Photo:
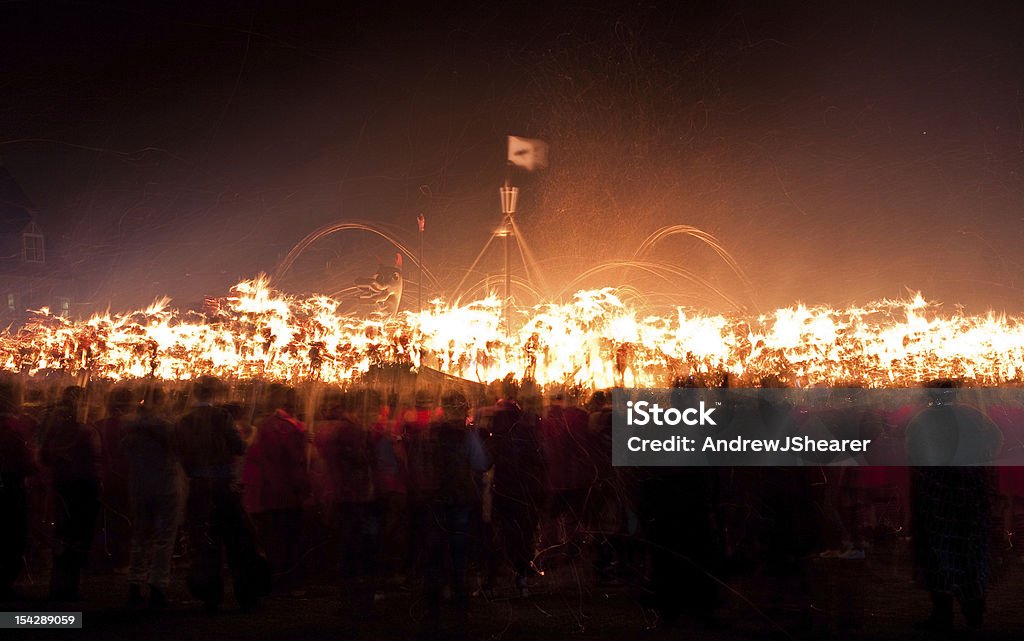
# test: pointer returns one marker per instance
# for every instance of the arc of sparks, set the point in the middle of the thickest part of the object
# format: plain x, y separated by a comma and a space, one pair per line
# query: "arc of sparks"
312, 237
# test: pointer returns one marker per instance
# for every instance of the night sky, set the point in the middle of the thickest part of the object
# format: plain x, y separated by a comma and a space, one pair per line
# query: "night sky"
842, 154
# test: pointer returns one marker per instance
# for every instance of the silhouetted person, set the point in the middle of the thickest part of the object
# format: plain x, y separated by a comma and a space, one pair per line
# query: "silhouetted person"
678, 507
519, 482
15, 465
416, 438
785, 501
115, 497
950, 504
353, 467
276, 460
1008, 415
207, 444
458, 457
571, 472
390, 484
154, 491
71, 452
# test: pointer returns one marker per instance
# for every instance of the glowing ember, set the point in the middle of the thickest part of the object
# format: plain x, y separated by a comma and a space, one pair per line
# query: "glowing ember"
594, 341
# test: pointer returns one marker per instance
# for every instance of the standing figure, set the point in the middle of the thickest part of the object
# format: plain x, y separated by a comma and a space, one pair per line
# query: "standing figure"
16, 465
950, 504
459, 458
70, 451
154, 490
519, 483
277, 462
115, 528
207, 445
343, 443
390, 471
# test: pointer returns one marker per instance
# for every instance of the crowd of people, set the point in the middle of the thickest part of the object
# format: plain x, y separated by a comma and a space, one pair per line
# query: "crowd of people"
453, 497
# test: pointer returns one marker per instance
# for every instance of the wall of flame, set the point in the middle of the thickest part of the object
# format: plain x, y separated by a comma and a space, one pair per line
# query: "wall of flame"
594, 341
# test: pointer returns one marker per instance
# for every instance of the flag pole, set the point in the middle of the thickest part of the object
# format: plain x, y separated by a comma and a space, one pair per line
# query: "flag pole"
421, 221
508, 280
508, 209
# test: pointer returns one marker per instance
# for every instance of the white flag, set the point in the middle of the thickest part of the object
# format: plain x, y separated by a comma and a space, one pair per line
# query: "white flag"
527, 153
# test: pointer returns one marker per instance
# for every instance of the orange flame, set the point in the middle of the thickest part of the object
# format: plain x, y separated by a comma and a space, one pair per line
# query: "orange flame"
595, 340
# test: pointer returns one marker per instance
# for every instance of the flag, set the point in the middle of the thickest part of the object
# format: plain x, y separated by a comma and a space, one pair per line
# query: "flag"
527, 153
422, 221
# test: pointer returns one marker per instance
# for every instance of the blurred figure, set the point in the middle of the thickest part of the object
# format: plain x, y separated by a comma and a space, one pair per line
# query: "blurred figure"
207, 443
1008, 415
611, 500
390, 482
789, 527
570, 475
459, 458
38, 487
277, 484
951, 506
343, 443
679, 509
677, 506
70, 451
519, 481
416, 437
245, 429
115, 497
16, 464
154, 485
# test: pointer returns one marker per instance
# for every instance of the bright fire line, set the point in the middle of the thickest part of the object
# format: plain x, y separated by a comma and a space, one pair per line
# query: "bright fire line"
594, 341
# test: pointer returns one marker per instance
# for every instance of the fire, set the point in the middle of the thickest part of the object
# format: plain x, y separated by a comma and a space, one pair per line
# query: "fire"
595, 340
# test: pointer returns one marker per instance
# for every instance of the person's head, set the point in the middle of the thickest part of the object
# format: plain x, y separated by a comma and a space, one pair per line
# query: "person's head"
492, 393
73, 395
205, 389
941, 391
330, 404
530, 397
556, 403
374, 400
120, 401
424, 400
10, 396
455, 406
347, 404
510, 388
281, 397
72, 398
597, 401
154, 399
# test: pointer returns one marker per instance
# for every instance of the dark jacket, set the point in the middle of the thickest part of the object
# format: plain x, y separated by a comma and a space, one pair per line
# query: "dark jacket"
458, 458
70, 449
147, 448
207, 442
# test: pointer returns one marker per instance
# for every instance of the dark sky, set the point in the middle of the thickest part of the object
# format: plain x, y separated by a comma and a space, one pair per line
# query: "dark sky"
841, 154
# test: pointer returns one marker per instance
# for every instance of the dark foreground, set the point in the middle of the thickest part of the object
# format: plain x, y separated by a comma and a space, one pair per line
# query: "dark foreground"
842, 599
